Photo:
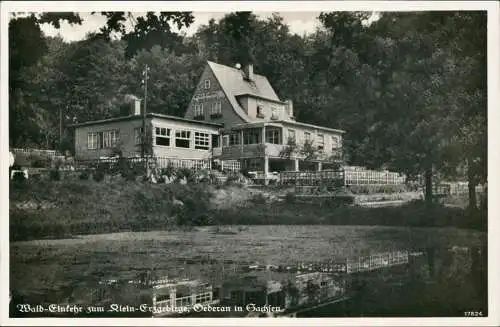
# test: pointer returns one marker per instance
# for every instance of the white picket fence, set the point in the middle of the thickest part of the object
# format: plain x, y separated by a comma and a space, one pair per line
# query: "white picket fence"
357, 176
49, 153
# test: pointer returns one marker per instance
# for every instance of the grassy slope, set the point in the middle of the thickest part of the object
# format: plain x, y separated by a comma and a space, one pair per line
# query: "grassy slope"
89, 207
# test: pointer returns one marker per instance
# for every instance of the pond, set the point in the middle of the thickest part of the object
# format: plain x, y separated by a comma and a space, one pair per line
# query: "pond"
57, 271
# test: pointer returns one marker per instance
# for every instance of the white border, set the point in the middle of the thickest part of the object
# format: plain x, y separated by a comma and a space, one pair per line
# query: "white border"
265, 6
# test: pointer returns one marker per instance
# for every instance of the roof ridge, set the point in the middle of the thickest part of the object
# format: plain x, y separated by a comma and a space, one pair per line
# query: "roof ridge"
234, 68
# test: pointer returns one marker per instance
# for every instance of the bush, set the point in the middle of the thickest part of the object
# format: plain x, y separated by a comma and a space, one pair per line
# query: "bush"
290, 198
84, 175
244, 172
55, 175
18, 177
98, 175
232, 177
168, 171
58, 162
38, 161
371, 189
259, 198
186, 173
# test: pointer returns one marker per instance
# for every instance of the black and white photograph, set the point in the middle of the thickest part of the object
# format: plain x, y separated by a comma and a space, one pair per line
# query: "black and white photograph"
195, 161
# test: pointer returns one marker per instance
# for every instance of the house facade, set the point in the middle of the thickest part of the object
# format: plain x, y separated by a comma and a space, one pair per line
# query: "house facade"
168, 137
234, 115
259, 129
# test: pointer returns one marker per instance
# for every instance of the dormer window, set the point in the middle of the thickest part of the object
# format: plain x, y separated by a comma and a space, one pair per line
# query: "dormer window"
207, 84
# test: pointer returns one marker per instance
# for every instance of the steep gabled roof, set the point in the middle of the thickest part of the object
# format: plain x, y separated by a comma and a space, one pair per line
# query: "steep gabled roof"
232, 83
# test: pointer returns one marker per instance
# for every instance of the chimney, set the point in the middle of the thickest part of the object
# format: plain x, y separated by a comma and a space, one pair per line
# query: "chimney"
289, 108
135, 105
248, 72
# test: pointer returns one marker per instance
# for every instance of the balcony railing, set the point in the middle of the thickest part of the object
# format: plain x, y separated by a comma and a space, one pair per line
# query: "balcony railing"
252, 150
273, 150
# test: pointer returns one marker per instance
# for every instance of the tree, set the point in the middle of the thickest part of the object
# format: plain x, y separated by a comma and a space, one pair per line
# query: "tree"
151, 30
26, 46
172, 80
93, 82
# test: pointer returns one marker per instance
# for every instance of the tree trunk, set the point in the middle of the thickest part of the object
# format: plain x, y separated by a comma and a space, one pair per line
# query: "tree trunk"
428, 185
472, 183
472, 195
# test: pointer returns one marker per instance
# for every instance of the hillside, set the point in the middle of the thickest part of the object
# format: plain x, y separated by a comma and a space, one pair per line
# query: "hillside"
59, 209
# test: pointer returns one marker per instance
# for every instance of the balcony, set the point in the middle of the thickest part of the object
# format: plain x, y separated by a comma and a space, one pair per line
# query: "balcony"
251, 151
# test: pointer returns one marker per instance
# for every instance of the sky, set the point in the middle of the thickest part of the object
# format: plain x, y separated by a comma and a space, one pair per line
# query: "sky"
299, 22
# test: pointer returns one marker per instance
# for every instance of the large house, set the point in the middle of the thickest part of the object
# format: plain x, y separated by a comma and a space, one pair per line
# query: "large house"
260, 129
234, 115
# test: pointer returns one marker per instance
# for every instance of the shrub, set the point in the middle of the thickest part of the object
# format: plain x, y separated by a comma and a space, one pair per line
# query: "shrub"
55, 175
168, 171
18, 177
38, 161
58, 163
259, 198
187, 173
232, 177
98, 175
84, 175
370, 189
290, 198
244, 172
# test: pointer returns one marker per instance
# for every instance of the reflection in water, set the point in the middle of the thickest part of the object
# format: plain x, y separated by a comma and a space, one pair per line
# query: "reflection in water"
419, 283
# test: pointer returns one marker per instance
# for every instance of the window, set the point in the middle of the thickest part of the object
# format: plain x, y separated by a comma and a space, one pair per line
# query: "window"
234, 139
92, 141
260, 113
335, 142
291, 134
273, 136
162, 136
215, 141
254, 164
182, 139
114, 137
307, 136
216, 107
321, 142
225, 140
202, 298
102, 140
274, 113
109, 138
251, 136
198, 110
207, 84
138, 135
201, 141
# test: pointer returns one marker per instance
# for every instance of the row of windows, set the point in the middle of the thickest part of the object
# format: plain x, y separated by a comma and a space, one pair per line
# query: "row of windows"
320, 139
252, 136
102, 140
109, 139
182, 138
215, 108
